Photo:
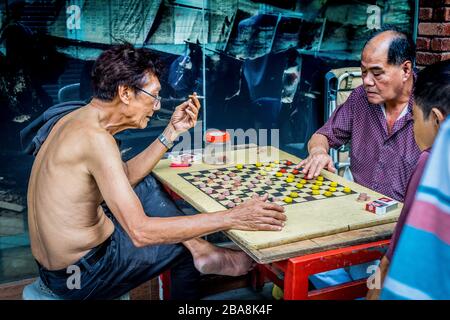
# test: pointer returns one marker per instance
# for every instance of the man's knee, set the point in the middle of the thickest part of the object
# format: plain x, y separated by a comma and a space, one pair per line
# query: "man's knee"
147, 184
155, 200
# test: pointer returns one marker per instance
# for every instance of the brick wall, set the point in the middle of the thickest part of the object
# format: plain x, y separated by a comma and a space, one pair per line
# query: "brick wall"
433, 39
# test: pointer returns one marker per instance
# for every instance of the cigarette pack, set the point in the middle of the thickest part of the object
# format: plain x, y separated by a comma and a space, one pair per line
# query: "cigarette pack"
382, 205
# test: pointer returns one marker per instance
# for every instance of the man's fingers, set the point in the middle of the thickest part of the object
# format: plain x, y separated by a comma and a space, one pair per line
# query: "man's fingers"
191, 114
301, 164
264, 197
320, 165
272, 221
331, 167
194, 99
269, 227
273, 206
307, 166
194, 110
274, 214
312, 169
318, 169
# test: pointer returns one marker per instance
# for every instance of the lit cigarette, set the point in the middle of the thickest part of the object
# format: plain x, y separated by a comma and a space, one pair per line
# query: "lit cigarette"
198, 97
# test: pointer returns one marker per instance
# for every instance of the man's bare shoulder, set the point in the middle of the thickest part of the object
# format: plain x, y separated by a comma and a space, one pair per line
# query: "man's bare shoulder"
99, 138
80, 138
99, 143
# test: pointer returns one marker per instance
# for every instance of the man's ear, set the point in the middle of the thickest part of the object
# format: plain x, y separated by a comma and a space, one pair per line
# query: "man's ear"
437, 116
407, 69
125, 93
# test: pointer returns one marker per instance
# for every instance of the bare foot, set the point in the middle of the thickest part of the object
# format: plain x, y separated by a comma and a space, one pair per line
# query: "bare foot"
225, 262
210, 259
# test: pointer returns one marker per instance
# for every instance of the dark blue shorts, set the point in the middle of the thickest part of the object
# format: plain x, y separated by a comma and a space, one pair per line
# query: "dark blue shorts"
116, 266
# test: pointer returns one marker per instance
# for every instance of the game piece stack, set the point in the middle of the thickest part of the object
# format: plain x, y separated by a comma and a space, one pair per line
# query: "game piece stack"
363, 197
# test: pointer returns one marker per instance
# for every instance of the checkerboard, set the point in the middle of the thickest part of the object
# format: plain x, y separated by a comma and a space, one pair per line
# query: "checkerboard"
277, 188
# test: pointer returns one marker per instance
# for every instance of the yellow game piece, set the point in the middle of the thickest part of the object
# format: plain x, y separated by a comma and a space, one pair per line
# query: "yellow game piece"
315, 188
279, 174
277, 161
328, 194
268, 168
273, 165
347, 190
287, 199
239, 166
332, 189
303, 181
290, 175
258, 164
319, 183
333, 184
299, 185
316, 192
263, 173
294, 194
289, 180
319, 178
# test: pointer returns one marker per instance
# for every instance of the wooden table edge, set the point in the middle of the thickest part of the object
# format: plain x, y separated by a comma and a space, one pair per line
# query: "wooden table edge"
313, 246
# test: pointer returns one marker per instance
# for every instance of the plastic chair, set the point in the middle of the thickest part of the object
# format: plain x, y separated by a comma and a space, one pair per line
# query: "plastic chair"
339, 83
39, 291
70, 92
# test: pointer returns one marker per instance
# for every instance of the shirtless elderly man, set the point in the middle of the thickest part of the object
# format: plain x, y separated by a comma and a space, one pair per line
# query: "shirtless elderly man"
111, 220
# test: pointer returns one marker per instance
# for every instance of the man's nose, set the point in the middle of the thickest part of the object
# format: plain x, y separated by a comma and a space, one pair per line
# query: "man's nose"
368, 81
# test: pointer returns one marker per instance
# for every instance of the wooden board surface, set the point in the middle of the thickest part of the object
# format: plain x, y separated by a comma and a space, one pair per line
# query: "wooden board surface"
307, 220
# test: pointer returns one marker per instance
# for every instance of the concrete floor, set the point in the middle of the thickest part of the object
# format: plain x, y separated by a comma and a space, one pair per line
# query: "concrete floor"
244, 294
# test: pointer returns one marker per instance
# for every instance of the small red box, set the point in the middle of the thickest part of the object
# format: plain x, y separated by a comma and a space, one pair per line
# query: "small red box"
382, 205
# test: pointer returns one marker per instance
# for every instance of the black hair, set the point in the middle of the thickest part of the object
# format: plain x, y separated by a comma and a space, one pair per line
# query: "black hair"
432, 88
402, 47
122, 64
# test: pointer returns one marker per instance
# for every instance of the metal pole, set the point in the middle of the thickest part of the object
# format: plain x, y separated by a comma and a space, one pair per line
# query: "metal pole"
204, 34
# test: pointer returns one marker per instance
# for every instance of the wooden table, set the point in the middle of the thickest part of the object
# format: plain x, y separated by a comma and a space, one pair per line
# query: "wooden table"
343, 246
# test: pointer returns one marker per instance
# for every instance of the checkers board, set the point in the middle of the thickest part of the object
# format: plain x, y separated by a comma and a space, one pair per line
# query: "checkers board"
230, 186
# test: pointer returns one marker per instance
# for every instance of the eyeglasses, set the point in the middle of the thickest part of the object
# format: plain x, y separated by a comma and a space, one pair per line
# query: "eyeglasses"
157, 98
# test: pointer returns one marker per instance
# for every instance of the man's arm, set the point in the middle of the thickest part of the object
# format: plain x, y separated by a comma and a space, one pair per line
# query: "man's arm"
142, 164
374, 294
105, 165
183, 118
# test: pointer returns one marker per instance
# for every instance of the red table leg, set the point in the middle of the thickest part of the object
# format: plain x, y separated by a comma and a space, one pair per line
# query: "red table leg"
297, 271
165, 280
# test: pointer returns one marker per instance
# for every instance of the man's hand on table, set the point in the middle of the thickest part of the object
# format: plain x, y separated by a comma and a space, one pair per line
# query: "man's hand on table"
257, 215
317, 160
